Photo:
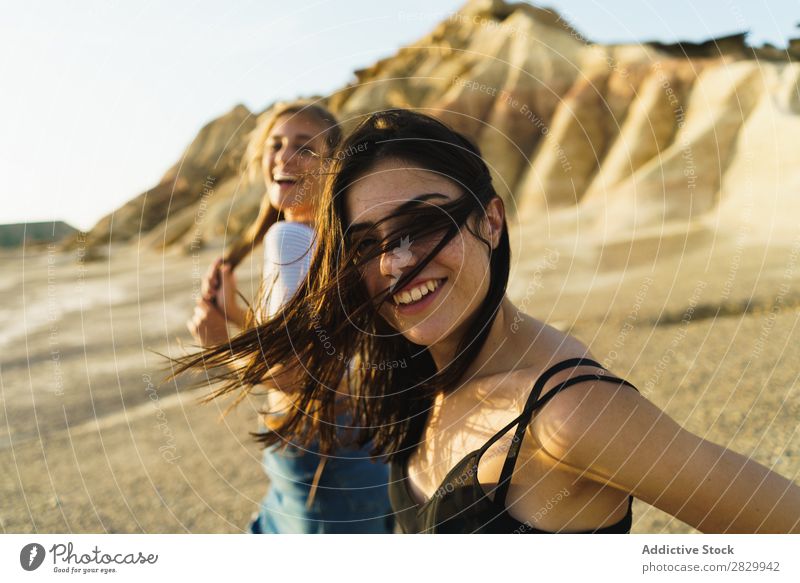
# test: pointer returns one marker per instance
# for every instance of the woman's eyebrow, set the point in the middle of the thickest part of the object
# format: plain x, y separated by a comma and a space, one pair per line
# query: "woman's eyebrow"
296, 137
400, 209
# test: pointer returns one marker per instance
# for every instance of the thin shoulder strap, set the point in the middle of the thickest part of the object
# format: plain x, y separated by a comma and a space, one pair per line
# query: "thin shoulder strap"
533, 403
534, 394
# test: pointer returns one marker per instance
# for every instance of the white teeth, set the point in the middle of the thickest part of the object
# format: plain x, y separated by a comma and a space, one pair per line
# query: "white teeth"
417, 293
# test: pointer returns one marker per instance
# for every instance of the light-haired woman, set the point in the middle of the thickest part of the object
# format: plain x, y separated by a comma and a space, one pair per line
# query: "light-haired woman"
346, 491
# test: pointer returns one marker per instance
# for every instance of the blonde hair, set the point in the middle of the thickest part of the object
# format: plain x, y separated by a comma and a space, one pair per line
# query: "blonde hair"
251, 165
254, 153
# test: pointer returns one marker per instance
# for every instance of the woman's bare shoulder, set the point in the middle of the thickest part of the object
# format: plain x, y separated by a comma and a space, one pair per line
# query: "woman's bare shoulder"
549, 346
552, 347
592, 408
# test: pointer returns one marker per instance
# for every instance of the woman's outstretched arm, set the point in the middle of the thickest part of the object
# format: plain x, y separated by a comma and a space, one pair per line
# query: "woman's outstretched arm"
618, 437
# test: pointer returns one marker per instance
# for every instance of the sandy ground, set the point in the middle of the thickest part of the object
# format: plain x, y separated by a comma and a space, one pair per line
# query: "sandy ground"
92, 440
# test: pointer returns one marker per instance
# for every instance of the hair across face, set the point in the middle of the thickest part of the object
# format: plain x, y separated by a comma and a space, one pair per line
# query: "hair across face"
398, 162
412, 192
434, 305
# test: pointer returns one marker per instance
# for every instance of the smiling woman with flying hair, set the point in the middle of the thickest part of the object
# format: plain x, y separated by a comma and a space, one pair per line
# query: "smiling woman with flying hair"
406, 325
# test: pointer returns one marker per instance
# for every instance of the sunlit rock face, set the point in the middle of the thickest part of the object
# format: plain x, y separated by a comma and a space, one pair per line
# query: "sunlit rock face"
619, 141
192, 199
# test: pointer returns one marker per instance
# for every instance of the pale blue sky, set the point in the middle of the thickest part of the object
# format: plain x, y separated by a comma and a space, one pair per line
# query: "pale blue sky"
99, 98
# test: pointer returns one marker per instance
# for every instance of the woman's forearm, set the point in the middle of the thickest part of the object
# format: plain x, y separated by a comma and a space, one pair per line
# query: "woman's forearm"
749, 498
636, 447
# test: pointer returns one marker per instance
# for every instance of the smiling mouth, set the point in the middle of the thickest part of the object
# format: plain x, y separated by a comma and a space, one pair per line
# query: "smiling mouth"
417, 293
285, 179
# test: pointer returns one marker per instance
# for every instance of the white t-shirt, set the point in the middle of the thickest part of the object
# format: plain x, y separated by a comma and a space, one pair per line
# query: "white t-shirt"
287, 257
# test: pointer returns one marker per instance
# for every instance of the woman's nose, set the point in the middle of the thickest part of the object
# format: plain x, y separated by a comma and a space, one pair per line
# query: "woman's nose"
394, 261
289, 157
283, 156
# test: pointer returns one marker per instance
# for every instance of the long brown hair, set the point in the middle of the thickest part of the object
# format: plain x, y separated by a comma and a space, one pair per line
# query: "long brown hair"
268, 215
330, 333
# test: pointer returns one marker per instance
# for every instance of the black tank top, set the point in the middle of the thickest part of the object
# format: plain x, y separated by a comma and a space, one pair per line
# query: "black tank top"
460, 504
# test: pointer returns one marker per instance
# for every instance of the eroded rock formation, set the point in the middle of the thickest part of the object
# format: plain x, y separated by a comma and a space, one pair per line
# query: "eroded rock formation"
628, 137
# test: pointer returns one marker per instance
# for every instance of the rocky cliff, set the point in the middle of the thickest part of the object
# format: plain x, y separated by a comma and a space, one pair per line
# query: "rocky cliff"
626, 141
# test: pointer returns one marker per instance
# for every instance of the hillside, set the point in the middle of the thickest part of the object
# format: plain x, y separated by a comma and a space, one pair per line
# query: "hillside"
12, 235
621, 142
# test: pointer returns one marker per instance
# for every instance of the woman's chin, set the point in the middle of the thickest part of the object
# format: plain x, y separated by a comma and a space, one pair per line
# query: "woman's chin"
423, 334
282, 196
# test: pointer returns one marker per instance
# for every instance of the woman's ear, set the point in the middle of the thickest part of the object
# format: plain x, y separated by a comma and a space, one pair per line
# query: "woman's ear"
493, 219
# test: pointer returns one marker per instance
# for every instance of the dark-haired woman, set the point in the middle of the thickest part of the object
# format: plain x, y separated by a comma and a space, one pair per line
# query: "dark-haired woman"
346, 491
493, 420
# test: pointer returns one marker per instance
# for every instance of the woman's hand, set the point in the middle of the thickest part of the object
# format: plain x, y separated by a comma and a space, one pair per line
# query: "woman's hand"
208, 324
219, 288
617, 437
